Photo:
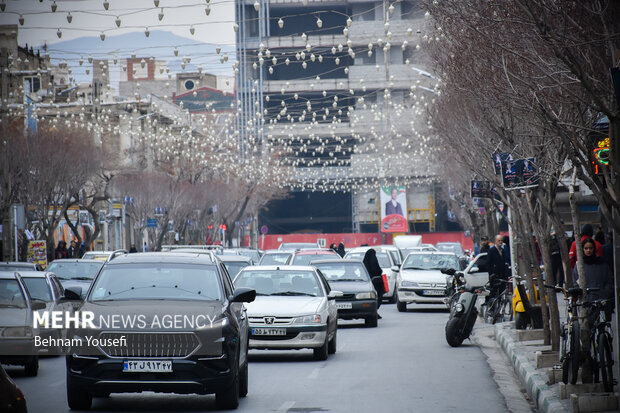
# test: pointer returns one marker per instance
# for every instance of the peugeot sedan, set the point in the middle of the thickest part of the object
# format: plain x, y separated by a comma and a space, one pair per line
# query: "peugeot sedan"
294, 309
359, 298
420, 279
164, 322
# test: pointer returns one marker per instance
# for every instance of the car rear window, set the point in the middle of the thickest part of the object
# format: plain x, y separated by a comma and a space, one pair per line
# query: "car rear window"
157, 281
275, 259
11, 295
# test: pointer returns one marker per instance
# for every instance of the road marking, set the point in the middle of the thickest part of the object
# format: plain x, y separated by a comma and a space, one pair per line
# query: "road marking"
314, 374
286, 406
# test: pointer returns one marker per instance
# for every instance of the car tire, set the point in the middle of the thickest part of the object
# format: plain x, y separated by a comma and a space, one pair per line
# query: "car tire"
372, 321
78, 398
229, 398
243, 380
31, 369
331, 347
401, 306
322, 352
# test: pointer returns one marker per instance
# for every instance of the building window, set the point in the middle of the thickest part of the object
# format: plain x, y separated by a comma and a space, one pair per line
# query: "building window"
410, 9
34, 83
369, 60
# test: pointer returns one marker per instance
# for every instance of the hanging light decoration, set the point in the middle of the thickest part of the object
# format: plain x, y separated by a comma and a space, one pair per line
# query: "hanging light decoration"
280, 23
58, 33
106, 5
160, 16
69, 17
101, 36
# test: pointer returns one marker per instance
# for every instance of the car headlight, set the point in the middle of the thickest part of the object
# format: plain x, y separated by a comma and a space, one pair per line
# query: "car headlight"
308, 319
25, 331
366, 296
408, 284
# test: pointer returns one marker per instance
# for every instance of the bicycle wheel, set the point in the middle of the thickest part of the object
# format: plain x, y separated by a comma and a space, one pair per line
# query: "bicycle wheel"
606, 362
565, 349
503, 312
489, 315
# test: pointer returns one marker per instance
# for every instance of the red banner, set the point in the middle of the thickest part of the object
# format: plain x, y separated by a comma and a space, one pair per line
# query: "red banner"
394, 223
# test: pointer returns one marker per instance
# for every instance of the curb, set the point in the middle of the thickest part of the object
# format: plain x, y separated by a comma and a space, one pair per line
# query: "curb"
546, 397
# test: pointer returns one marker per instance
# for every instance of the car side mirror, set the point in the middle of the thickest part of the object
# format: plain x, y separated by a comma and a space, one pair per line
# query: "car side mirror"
395, 268
243, 295
333, 294
38, 305
72, 294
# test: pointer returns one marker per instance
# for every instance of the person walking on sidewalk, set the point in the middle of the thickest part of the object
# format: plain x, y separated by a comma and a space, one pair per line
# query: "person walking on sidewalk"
586, 232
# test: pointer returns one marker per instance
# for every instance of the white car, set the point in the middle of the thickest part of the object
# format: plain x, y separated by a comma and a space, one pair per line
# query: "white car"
294, 309
386, 262
420, 279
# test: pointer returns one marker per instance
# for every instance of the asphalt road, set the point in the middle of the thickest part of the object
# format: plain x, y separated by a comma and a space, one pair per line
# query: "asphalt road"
404, 365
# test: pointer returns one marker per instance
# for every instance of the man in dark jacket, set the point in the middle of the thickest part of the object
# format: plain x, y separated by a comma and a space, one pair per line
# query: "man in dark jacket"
497, 267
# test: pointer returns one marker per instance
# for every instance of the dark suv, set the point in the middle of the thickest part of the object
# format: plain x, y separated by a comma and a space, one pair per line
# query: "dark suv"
164, 322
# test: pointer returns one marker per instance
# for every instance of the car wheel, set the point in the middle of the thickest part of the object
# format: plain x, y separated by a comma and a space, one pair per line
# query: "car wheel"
372, 321
321, 353
229, 398
243, 381
401, 306
31, 368
331, 347
78, 398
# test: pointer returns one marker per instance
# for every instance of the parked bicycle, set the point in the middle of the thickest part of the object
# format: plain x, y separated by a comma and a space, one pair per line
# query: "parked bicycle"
570, 335
499, 309
601, 342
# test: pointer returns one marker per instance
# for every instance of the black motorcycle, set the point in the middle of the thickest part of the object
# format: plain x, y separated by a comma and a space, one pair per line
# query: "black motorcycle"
463, 313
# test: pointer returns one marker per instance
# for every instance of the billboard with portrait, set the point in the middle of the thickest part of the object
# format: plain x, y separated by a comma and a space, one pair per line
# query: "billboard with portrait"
520, 173
393, 209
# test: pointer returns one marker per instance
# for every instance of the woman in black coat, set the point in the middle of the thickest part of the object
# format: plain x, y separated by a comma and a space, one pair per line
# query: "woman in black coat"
376, 273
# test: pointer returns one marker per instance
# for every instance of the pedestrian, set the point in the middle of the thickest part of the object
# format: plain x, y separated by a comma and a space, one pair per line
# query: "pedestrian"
556, 261
599, 276
376, 273
73, 252
340, 250
484, 244
599, 236
497, 268
133, 248
586, 232
333, 247
61, 250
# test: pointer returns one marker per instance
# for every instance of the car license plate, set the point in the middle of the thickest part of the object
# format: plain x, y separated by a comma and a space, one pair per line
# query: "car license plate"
434, 292
344, 306
148, 366
268, 331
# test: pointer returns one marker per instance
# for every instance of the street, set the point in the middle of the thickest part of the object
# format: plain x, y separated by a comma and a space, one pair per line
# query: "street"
404, 365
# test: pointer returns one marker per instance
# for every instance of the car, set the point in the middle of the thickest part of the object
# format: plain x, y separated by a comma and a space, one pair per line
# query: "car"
275, 257
248, 252
359, 297
206, 352
298, 245
386, 262
235, 263
103, 255
12, 399
294, 309
394, 252
303, 257
420, 279
477, 273
456, 248
19, 265
17, 343
75, 272
45, 286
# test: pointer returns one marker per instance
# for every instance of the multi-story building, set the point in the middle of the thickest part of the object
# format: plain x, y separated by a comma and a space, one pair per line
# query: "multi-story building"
335, 86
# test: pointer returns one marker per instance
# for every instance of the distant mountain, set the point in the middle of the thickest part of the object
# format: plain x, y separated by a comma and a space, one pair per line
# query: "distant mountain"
160, 45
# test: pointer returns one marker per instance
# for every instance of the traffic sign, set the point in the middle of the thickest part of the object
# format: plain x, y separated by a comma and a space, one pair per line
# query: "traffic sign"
151, 223
264, 229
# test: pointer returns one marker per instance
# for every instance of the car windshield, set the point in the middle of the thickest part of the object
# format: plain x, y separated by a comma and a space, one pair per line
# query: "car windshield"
250, 253
161, 281
455, 248
11, 295
275, 259
280, 282
382, 257
350, 271
75, 270
38, 288
430, 262
233, 267
305, 259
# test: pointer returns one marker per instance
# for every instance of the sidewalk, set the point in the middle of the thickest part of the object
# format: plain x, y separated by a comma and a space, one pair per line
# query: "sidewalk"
539, 381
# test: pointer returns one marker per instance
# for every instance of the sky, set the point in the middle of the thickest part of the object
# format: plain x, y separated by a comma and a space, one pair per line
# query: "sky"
89, 18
